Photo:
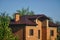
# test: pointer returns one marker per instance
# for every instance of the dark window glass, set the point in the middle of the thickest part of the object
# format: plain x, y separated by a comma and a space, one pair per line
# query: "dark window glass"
52, 32
31, 32
38, 34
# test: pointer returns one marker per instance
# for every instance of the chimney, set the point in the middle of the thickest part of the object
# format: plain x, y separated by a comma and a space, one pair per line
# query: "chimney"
17, 17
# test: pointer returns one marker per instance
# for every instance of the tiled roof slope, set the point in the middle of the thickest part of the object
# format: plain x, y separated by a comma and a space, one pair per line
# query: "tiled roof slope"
52, 24
29, 20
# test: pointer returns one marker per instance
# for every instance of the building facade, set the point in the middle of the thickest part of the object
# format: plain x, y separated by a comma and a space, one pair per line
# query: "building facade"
33, 27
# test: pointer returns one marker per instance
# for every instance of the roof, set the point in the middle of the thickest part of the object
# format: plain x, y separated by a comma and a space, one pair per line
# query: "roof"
23, 20
52, 24
29, 20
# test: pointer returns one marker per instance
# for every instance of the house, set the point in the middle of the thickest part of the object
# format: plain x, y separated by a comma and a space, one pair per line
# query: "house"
33, 27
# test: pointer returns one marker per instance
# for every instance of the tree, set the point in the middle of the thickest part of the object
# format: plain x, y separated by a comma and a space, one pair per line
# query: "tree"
5, 31
25, 12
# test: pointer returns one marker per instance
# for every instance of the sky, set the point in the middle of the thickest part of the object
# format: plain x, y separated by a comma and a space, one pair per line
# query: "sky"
50, 8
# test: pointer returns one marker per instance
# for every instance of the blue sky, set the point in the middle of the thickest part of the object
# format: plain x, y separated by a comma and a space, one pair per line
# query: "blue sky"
50, 8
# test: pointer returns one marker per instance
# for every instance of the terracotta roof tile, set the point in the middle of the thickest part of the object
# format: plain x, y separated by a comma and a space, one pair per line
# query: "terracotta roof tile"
52, 24
26, 19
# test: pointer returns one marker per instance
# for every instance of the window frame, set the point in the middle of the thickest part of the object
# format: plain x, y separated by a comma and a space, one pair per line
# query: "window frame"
52, 32
38, 34
31, 32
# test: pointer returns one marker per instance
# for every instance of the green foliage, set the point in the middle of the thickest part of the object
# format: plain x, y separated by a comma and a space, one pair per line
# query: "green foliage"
5, 31
58, 37
25, 12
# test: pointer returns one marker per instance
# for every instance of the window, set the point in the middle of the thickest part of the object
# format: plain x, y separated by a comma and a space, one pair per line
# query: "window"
51, 32
38, 34
31, 32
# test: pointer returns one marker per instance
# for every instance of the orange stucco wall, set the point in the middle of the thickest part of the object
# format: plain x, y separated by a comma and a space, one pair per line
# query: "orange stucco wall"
35, 28
49, 37
39, 27
44, 30
48, 33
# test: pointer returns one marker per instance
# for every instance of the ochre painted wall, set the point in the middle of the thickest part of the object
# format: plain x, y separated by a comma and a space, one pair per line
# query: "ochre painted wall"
35, 28
49, 37
44, 30
48, 33
39, 27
